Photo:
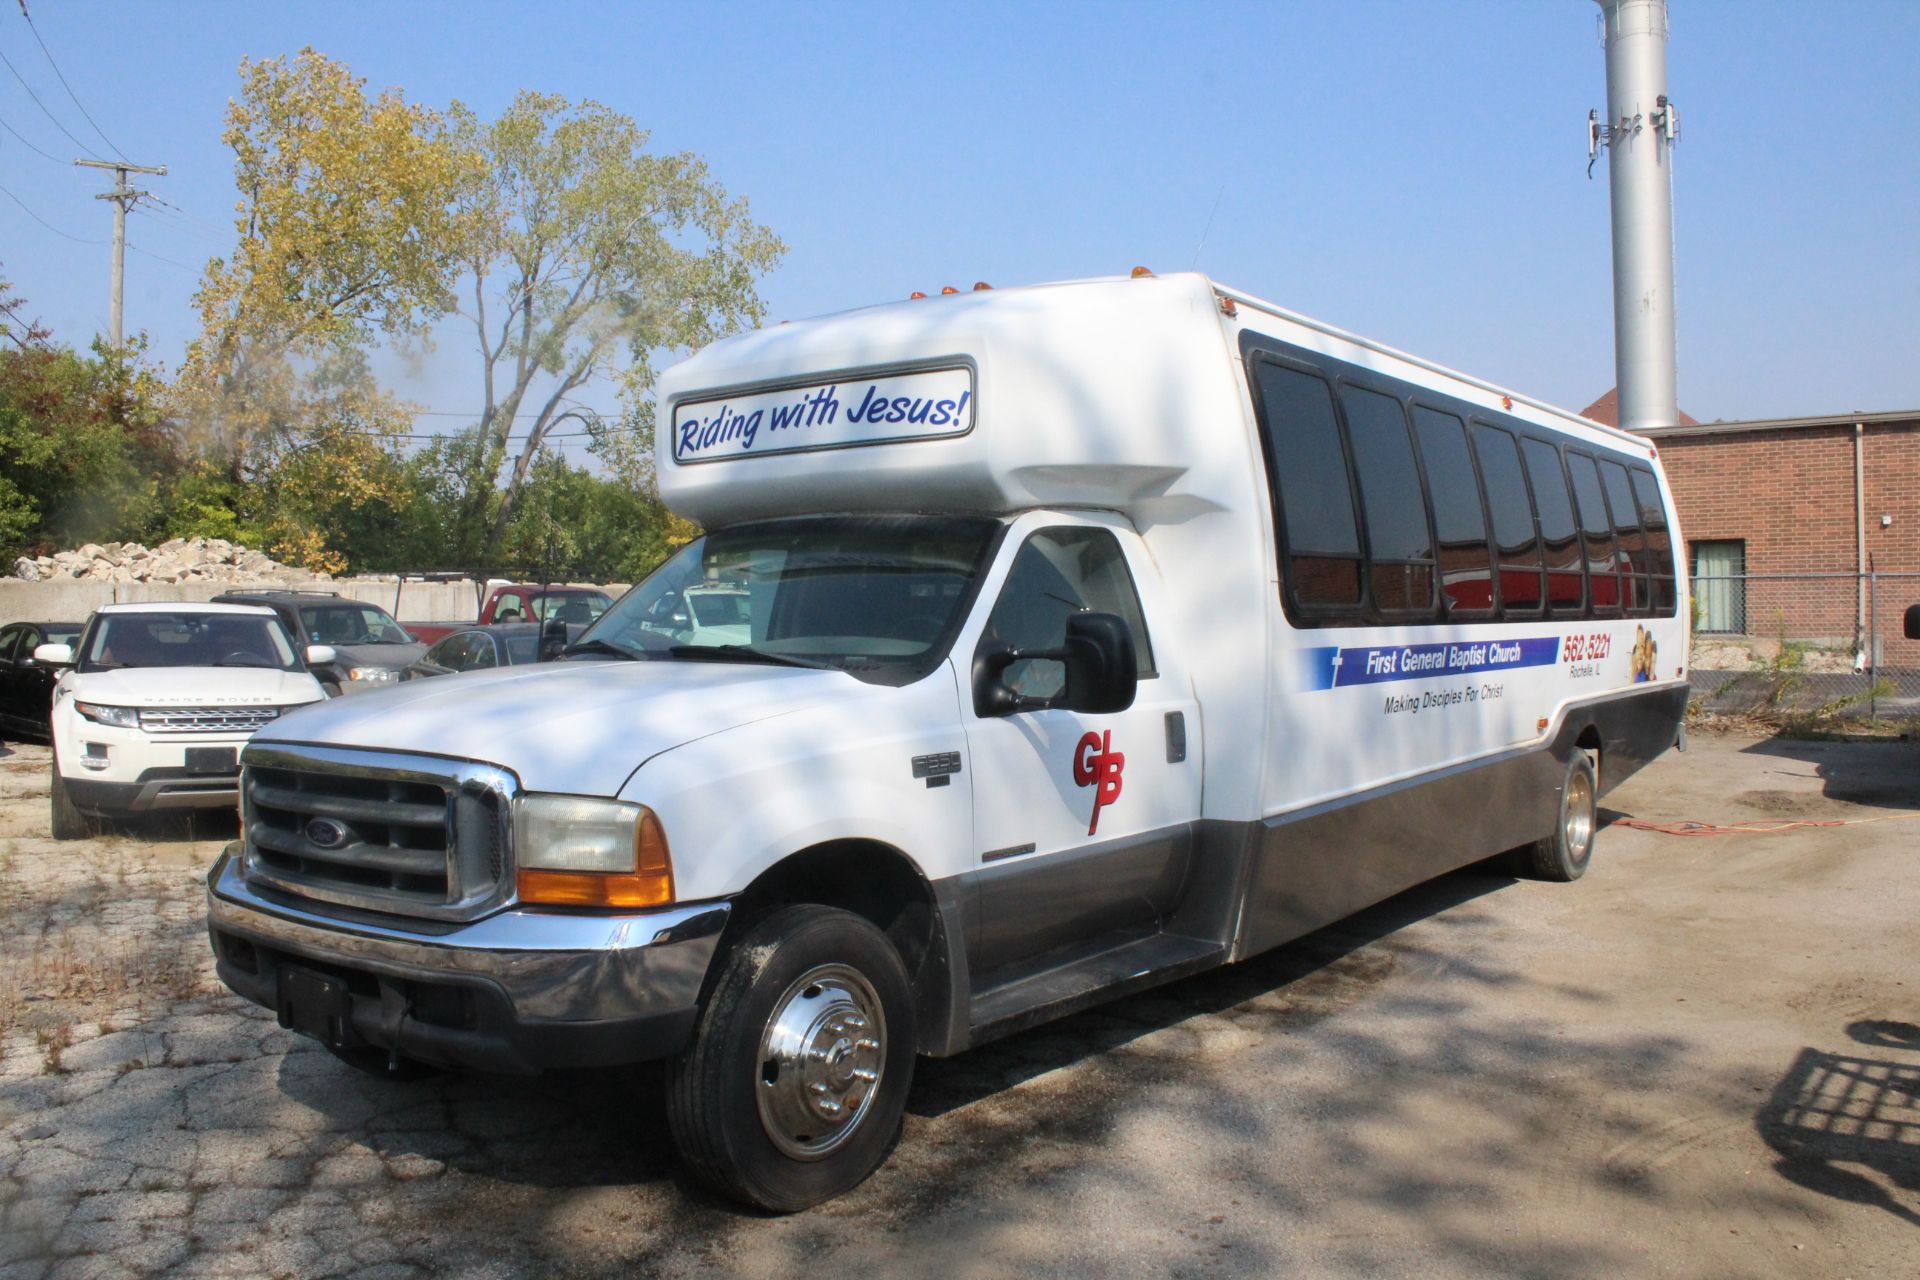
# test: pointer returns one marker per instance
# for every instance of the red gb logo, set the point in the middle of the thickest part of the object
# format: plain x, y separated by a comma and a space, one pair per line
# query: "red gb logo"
1096, 764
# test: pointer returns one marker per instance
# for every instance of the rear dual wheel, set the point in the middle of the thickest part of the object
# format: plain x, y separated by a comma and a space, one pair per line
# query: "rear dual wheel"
793, 1088
1564, 854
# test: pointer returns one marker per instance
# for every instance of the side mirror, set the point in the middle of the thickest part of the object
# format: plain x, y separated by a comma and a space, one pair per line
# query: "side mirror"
1101, 671
553, 639
1912, 626
319, 655
54, 655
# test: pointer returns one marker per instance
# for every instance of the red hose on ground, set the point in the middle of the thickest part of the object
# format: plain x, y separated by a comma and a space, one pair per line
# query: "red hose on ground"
1758, 827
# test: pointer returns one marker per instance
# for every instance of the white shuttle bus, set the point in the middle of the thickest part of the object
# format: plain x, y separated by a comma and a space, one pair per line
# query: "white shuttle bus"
1079, 638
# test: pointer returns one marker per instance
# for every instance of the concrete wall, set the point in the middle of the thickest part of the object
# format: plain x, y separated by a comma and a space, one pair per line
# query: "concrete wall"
73, 599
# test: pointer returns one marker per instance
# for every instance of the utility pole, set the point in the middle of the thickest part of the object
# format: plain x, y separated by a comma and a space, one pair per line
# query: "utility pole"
1641, 127
123, 197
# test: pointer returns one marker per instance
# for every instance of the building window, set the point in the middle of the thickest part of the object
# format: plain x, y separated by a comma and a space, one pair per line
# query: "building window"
1720, 585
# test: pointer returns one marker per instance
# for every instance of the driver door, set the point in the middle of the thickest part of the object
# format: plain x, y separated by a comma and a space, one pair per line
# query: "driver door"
1083, 821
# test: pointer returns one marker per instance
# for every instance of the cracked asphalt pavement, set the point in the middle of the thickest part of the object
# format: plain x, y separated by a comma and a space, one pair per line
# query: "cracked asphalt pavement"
1701, 1060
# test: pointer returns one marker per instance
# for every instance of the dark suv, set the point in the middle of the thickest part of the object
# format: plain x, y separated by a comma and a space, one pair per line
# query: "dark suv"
371, 650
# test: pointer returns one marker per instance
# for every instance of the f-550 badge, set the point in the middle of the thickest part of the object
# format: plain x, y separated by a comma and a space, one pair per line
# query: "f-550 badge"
1096, 764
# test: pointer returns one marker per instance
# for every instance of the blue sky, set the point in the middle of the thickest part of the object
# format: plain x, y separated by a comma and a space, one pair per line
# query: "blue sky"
1412, 171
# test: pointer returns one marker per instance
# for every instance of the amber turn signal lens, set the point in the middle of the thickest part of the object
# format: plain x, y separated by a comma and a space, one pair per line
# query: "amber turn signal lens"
649, 884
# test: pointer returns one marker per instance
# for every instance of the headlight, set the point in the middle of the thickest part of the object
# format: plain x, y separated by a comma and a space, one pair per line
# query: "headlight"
118, 717
373, 675
577, 851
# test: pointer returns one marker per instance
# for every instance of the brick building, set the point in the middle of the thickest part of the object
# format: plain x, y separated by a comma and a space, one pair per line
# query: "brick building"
1830, 495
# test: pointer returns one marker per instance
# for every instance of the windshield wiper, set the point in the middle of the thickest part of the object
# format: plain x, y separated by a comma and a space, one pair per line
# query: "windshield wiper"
599, 646
746, 653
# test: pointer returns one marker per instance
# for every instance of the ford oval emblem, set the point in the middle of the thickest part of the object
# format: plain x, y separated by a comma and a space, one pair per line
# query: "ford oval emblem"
326, 833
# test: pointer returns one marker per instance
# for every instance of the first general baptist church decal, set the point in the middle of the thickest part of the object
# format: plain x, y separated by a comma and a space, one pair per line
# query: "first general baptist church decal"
825, 415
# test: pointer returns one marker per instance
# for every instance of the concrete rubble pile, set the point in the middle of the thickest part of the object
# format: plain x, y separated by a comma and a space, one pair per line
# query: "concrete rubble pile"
179, 560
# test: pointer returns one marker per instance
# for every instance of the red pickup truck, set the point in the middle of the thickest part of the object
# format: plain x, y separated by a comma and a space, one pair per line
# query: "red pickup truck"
523, 602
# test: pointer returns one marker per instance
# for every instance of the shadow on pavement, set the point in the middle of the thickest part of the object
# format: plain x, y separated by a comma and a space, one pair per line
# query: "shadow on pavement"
1880, 774
1834, 1114
943, 1084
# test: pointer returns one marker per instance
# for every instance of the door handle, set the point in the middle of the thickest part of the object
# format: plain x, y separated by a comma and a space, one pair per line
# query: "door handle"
1176, 737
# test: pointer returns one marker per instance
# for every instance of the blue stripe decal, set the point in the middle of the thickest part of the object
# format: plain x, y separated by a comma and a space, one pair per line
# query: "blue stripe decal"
1330, 668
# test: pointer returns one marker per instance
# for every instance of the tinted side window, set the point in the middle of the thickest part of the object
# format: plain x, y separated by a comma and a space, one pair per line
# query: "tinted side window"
1513, 530
1566, 583
1597, 527
1460, 522
1398, 542
1316, 496
1627, 536
8, 638
449, 651
1058, 573
1653, 520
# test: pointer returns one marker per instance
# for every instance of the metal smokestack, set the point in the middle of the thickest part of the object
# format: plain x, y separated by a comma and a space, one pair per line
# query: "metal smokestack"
1639, 133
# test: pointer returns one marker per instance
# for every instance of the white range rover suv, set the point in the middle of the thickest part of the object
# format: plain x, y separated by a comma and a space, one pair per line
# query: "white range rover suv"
156, 702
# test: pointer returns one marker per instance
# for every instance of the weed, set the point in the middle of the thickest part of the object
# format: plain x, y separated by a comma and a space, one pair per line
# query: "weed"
53, 1042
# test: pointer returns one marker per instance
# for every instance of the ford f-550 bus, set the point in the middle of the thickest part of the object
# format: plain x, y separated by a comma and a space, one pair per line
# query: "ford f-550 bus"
1083, 637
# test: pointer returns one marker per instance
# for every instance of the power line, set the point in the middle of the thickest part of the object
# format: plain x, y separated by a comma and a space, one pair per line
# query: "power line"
188, 216
63, 82
25, 141
157, 258
43, 106
43, 222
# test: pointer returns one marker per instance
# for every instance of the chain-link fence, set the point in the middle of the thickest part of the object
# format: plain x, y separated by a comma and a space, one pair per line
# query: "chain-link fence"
1798, 645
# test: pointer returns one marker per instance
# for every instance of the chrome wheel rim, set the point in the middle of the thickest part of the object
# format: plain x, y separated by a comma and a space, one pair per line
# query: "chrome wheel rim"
821, 1059
1578, 822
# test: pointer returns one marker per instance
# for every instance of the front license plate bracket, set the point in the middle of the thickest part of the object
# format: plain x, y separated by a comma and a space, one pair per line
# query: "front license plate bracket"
316, 1005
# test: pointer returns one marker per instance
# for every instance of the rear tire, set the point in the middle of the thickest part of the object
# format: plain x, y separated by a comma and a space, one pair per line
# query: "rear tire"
64, 820
1564, 854
794, 1085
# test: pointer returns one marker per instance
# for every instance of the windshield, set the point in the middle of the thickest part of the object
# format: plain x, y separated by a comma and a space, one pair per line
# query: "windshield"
571, 607
187, 640
350, 623
877, 596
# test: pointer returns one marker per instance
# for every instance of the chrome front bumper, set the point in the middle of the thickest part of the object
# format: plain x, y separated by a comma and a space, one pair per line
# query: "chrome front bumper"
521, 990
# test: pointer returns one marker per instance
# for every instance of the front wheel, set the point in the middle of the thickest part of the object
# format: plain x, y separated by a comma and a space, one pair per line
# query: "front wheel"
793, 1088
1564, 853
65, 821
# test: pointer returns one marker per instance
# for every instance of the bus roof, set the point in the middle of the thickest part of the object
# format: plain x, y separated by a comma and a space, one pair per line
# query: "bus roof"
1119, 393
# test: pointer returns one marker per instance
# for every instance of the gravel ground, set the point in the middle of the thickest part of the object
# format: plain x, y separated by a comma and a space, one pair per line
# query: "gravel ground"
1699, 1061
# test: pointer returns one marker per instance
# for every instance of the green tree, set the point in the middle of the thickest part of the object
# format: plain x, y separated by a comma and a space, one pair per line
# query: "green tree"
84, 448
350, 228
592, 254
575, 254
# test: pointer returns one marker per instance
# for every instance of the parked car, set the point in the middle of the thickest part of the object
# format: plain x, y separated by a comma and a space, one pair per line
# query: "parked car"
523, 602
370, 649
26, 683
711, 613
154, 703
506, 644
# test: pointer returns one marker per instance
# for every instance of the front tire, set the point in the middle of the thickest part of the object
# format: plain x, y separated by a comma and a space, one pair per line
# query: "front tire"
64, 819
1563, 855
794, 1085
